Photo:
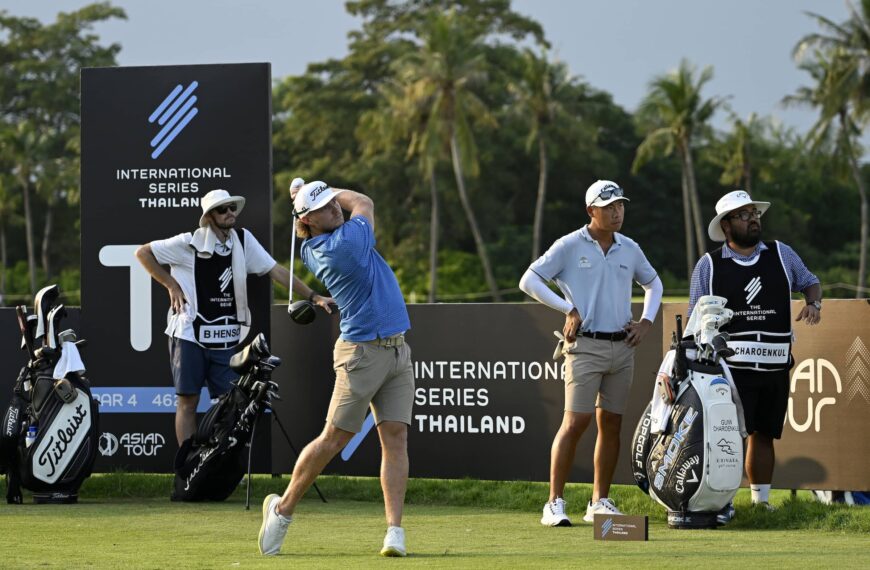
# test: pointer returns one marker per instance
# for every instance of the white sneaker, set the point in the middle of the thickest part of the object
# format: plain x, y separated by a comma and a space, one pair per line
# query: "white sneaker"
602, 506
274, 527
394, 542
554, 513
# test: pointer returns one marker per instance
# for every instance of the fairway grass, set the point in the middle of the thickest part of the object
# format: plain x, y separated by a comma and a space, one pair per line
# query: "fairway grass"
113, 530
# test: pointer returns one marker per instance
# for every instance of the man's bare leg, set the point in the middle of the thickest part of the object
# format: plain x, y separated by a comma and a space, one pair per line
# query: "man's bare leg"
313, 459
563, 449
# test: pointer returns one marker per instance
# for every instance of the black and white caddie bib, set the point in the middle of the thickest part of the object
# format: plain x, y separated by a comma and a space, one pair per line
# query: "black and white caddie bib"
216, 324
759, 293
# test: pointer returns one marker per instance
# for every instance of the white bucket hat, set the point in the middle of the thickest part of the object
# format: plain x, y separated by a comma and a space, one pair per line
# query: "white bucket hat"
727, 204
593, 193
217, 198
313, 196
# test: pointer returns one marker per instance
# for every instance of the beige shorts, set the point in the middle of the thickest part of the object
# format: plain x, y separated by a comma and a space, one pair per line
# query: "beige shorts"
598, 373
369, 373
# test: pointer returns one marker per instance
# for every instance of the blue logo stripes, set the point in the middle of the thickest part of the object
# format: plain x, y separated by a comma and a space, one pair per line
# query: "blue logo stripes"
351, 446
605, 527
173, 114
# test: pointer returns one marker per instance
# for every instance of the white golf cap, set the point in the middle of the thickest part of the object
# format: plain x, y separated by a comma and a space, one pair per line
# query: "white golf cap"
297, 183
593, 193
313, 196
217, 198
727, 204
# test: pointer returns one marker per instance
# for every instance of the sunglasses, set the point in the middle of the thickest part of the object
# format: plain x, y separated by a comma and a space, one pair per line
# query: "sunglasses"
609, 193
223, 209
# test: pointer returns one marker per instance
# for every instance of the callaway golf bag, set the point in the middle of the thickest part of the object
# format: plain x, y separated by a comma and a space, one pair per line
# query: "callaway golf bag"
209, 465
51, 428
687, 450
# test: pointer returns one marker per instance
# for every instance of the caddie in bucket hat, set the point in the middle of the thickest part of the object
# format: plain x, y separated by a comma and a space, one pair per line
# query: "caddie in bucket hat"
208, 297
371, 359
594, 268
757, 278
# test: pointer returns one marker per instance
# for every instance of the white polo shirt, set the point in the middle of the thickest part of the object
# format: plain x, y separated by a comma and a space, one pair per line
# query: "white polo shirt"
598, 285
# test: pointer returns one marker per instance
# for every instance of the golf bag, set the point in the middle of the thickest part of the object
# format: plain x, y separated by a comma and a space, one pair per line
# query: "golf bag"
209, 465
687, 450
50, 430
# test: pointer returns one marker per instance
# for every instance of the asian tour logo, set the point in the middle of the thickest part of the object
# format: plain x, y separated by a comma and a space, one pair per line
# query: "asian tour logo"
173, 114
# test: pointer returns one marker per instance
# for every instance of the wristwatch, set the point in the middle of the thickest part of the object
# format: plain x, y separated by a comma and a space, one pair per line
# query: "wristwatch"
816, 304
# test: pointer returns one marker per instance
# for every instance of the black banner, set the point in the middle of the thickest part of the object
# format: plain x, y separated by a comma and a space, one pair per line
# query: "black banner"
155, 140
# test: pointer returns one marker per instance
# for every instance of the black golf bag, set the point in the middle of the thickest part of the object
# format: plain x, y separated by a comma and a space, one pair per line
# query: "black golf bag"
50, 430
209, 465
687, 450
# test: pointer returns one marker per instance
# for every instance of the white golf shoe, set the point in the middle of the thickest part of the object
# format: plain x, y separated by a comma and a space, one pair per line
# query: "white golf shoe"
394, 542
602, 506
274, 527
554, 513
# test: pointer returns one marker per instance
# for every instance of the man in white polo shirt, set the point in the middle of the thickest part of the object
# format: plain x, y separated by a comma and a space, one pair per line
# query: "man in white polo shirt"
594, 268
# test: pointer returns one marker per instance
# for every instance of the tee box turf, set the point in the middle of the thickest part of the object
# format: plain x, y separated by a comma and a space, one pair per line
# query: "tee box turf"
621, 527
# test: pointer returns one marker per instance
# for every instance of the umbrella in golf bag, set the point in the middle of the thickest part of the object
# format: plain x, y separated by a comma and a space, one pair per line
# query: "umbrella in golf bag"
50, 431
687, 450
209, 465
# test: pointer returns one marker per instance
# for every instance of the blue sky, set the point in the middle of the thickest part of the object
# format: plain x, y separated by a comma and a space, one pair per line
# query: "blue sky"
617, 46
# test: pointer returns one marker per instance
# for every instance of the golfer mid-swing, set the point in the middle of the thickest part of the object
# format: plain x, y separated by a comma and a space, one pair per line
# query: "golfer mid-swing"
372, 361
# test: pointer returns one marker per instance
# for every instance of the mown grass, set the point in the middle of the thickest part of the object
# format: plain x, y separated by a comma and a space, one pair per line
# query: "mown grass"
125, 520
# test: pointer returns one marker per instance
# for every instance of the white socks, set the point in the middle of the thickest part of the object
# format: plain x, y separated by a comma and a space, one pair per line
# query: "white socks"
760, 493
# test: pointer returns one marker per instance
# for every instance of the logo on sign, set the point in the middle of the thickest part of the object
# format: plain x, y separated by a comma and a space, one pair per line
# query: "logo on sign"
142, 444
813, 371
605, 527
173, 114
753, 288
858, 361
108, 444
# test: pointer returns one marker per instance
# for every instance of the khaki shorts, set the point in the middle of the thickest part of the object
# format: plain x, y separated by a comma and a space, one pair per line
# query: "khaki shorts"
598, 373
368, 373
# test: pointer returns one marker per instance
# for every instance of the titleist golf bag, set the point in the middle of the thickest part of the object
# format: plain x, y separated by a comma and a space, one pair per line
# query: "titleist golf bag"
50, 431
687, 450
209, 465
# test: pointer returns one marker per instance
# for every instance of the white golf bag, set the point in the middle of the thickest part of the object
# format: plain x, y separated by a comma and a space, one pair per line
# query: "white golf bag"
687, 451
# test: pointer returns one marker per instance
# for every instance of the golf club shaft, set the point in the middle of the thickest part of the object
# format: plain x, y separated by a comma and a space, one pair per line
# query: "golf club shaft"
292, 255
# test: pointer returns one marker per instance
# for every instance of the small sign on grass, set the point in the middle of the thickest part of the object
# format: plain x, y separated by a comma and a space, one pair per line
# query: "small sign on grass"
621, 527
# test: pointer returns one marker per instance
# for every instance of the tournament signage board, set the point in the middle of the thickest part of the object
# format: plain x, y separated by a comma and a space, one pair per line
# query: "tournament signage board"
488, 398
155, 140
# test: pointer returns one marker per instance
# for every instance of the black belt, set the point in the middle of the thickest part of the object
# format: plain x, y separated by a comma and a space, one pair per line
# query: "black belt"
612, 337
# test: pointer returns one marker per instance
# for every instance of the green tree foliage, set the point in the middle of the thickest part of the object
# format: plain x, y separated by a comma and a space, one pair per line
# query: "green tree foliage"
39, 86
474, 145
674, 114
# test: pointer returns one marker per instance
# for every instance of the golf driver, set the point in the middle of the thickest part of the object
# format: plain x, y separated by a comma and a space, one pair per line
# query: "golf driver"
301, 312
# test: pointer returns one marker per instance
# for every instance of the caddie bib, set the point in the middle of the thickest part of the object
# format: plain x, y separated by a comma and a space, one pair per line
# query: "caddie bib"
759, 293
216, 324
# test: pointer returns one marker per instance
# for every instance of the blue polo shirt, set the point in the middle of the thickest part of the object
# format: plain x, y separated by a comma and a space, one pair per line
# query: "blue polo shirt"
360, 281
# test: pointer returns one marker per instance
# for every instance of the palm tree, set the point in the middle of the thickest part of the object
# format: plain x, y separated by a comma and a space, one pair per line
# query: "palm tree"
734, 156
672, 113
439, 77
404, 118
838, 60
538, 97
835, 93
